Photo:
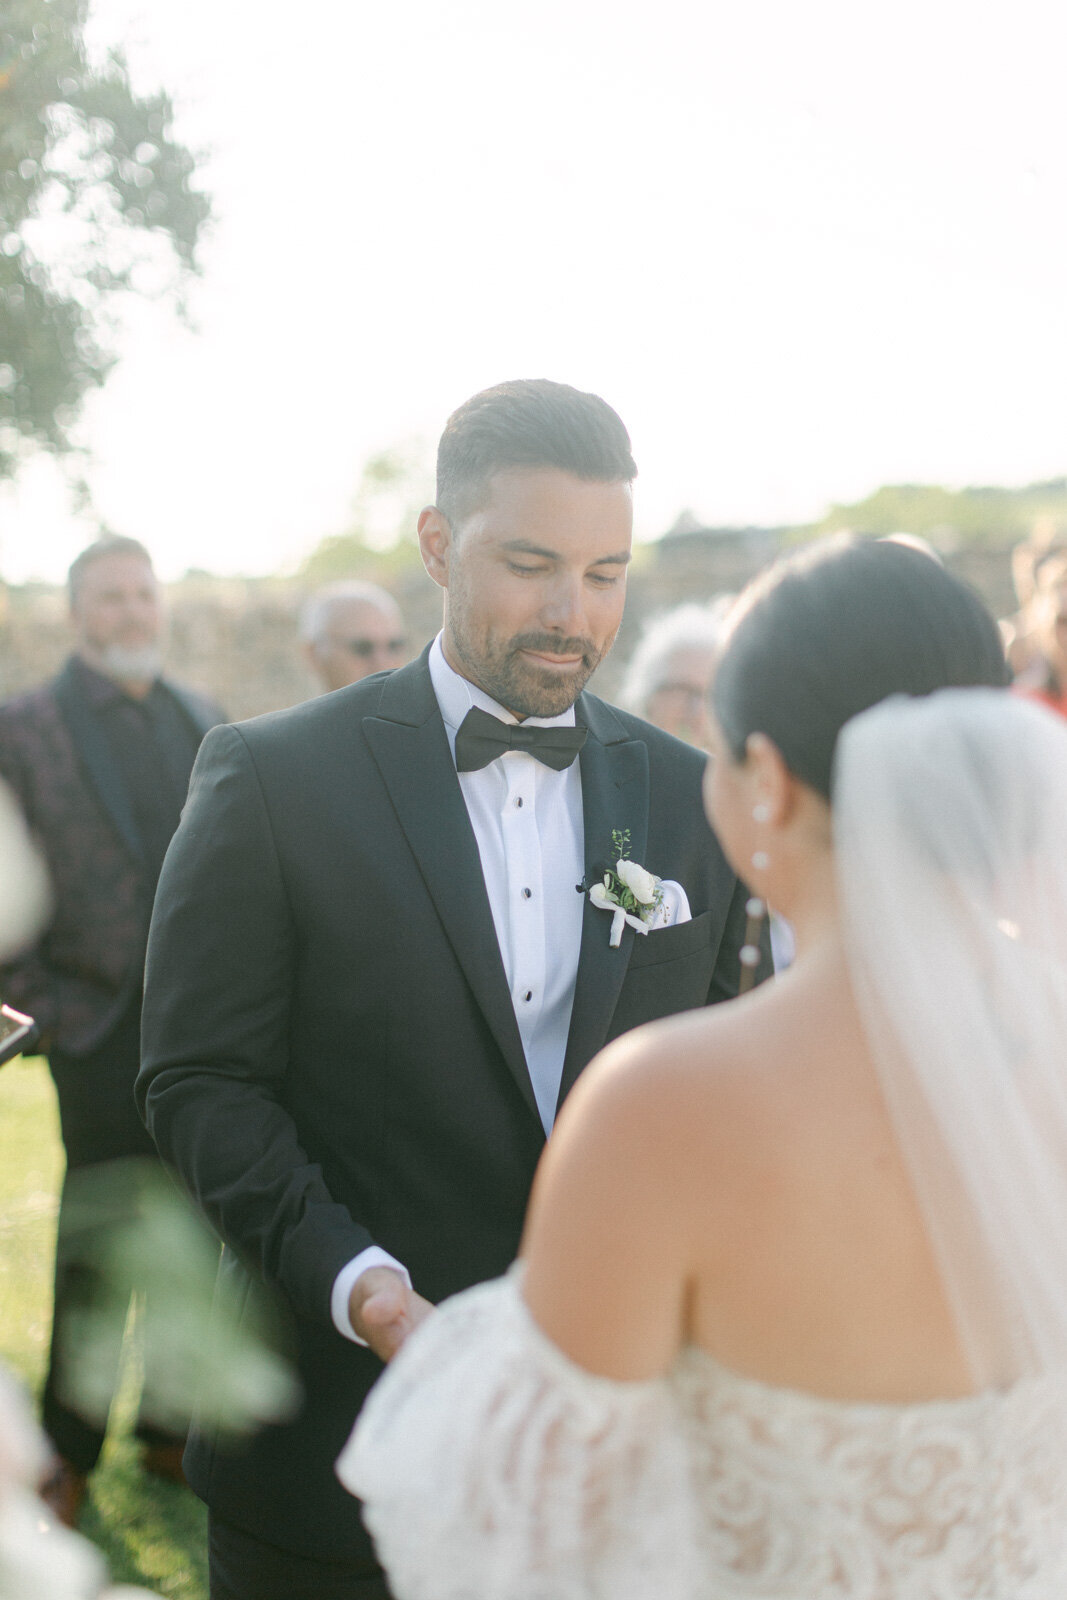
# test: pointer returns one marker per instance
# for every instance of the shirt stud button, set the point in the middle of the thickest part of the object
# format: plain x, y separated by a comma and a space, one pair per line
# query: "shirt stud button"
528, 995
519, 801
526, 893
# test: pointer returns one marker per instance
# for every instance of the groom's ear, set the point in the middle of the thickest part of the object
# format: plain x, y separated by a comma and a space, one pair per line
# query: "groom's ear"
435, 542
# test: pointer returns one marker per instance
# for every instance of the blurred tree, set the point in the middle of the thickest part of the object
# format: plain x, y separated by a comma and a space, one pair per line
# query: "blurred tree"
953, 518
393, 487
95, 200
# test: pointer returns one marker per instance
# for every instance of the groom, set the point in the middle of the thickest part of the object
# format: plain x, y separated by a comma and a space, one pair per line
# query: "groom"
371, 980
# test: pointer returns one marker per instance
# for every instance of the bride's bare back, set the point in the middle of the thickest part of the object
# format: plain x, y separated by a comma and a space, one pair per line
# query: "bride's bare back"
730, 1179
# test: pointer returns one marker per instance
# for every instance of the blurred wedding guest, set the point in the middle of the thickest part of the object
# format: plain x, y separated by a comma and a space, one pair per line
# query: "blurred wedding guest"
350, 630
668, 682
670, 671
1046, 542
99, 760
1038, 563
1041, 628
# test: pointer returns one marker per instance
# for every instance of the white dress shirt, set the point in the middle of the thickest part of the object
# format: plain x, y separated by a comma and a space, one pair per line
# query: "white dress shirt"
527, 822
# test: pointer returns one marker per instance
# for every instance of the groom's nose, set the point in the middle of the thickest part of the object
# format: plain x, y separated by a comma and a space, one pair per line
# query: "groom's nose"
563, 608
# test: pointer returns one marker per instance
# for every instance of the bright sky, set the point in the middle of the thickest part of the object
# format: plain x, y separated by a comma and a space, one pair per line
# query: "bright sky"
803, 249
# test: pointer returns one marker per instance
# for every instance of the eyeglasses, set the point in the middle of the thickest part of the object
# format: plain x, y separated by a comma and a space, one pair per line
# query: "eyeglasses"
686, 692
365, 648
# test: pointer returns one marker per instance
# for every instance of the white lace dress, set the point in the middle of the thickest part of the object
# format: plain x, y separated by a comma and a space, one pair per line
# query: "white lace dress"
493, 1468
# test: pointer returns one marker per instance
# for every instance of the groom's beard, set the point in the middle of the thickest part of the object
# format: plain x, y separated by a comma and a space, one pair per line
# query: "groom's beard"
523, 687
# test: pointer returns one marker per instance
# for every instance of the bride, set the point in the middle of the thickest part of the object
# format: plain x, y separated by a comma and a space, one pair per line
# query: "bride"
790, 1319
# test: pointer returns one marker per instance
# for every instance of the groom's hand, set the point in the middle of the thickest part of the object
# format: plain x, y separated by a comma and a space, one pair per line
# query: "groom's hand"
383, 1310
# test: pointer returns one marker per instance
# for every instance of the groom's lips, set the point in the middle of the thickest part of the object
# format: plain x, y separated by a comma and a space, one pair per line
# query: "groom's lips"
559, 663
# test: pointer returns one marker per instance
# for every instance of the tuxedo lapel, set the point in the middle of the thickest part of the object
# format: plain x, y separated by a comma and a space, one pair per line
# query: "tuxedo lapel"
410, 746
92, 750
614, 799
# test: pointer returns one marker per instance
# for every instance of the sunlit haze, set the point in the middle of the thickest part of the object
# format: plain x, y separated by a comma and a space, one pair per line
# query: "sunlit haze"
803, 250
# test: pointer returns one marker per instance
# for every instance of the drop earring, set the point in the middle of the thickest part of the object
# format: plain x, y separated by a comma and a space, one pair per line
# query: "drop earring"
760, 860
749, 953
761, 812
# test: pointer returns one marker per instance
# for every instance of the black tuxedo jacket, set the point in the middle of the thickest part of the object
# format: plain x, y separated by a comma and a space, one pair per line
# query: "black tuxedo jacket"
330, 1054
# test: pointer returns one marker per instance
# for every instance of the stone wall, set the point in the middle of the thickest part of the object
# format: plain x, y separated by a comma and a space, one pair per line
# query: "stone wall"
236, 639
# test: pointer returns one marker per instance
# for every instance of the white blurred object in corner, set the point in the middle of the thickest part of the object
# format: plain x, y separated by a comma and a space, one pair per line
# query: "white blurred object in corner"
38, 1557
25, 897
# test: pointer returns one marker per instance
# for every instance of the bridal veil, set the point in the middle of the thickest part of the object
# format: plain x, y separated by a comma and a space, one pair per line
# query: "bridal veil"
950, 826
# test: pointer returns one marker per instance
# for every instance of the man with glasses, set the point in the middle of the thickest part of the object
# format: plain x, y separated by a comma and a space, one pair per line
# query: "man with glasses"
350, 630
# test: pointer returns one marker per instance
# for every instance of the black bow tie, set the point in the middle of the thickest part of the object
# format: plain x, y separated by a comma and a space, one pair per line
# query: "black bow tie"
481, 737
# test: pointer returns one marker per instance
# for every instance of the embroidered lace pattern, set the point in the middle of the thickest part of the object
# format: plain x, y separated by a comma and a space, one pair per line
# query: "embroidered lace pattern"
494, 1469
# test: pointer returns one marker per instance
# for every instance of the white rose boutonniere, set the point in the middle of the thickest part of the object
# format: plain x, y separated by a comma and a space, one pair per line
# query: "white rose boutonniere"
631, 893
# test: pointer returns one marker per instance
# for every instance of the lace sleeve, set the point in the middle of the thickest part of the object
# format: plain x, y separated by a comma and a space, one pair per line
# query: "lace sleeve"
492, 1468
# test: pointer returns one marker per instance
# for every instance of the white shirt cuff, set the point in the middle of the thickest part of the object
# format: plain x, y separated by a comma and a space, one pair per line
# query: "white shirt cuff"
345, 1282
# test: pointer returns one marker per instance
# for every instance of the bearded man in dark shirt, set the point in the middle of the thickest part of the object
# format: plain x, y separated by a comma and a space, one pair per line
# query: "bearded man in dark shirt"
100, 760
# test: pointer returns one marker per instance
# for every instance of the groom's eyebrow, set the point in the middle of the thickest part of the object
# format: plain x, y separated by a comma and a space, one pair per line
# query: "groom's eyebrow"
526, 548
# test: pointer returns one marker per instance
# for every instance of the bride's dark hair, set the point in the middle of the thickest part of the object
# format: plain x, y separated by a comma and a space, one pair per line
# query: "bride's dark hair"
825, 634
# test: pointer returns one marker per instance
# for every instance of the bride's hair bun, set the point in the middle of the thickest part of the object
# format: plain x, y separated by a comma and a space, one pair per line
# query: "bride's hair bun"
833, 630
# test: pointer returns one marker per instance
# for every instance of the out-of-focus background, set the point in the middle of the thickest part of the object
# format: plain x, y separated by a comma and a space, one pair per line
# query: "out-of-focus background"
811, 254
237, 637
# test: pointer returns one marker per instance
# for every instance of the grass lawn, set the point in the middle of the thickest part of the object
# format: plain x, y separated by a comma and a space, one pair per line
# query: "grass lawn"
151, 1532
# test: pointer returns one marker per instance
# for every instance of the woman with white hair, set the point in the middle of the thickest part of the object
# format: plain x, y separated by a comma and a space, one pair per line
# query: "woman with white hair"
668, 682
671, 669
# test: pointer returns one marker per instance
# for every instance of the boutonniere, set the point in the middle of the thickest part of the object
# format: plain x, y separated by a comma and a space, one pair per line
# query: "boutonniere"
631, 893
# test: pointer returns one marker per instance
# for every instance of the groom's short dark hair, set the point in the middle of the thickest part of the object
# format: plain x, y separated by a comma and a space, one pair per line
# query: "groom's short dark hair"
530, 422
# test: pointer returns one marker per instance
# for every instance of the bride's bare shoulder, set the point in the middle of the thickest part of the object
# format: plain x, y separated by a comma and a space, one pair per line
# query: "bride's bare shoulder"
714, 1043
745, 1063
